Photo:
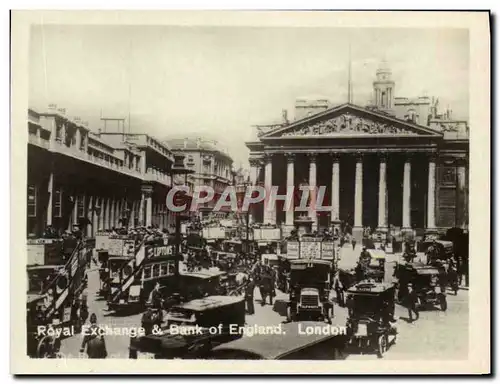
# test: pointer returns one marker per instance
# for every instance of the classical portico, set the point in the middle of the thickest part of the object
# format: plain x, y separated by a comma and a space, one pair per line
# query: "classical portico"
378, 171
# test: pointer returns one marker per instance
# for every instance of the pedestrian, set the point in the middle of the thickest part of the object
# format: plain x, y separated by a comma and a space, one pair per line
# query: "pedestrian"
94, 341
411, 304
156, 299
249, 290
353, 242
148, 321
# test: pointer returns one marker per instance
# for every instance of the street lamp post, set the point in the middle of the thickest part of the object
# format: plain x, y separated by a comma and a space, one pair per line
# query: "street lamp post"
179, 169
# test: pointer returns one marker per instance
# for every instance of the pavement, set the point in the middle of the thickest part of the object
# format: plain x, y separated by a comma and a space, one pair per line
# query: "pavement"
436, 335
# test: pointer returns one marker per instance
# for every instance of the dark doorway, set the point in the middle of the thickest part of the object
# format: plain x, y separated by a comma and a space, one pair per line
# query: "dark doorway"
395, 165
419, 181
347, 175
370, 190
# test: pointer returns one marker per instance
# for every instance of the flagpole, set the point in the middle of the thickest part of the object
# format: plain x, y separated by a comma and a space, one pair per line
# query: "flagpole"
349, 92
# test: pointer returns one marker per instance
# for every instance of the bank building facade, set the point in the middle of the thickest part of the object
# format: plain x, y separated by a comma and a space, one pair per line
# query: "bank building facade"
398, 164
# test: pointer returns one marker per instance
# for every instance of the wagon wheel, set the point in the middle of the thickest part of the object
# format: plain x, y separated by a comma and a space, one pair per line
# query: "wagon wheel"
381, 345
44, 349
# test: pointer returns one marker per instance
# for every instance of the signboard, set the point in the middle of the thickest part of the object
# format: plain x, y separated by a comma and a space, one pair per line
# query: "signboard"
36, 254
266, 234
164, 250
121, 247
298, 266
45, 253
293, 249
226, 223
214, 233
102, 241
310, 249
327, 250
129, 248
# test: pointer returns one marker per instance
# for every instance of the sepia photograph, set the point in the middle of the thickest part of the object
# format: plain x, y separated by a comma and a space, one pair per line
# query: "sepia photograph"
252, 190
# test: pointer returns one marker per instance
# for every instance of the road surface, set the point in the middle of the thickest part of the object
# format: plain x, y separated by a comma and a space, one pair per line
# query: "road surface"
436, 335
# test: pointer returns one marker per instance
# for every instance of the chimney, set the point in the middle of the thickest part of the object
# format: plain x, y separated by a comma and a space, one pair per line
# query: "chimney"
285, 116
62, 111
77, 119
198, 142
185, 142
52, 107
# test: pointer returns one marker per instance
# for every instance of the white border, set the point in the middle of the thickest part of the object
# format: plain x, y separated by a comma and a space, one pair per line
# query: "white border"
479, 191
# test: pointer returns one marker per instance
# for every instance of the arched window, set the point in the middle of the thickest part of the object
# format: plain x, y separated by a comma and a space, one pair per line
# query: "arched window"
411, 115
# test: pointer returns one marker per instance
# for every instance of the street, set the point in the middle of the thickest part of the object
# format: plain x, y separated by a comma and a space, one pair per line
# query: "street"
436, 335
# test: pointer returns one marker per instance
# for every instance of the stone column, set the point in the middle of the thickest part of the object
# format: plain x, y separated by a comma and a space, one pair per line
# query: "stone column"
290, 183
357, 230
407, 194
118, 215
462, 219
382, 194
112, 213
78, 137
95, 217
335, 187
74, 214
254, 178
431, 195
269, 216
254, 171
149, 209
50, 191
107, 213
132, 214
89, 214
141, 210
312, 191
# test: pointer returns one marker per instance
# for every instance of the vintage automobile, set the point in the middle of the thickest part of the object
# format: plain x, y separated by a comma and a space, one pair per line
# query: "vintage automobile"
310, 289
226, 261
427, 281
375, 268
371, 322
443, 252
270, 259
178, 338
195, 285
296, 345
232, 246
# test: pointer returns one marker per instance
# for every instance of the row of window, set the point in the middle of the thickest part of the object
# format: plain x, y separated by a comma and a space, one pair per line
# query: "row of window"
157, 270
57, 203
69, 138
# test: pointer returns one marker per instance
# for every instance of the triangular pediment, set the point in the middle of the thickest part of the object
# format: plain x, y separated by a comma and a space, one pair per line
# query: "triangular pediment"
349, 120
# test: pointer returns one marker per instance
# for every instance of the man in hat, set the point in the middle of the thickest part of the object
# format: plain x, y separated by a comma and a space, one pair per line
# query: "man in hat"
411, 304
94, 341
156, 299
148, 321
249, 290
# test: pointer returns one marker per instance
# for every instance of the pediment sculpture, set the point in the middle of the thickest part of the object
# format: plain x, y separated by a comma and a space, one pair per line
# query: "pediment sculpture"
349, 125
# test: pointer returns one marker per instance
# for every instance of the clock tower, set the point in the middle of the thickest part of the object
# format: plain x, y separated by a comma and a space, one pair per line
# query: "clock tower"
383, 88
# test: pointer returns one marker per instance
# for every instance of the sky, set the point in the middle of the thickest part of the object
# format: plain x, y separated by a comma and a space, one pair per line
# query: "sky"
216, 82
